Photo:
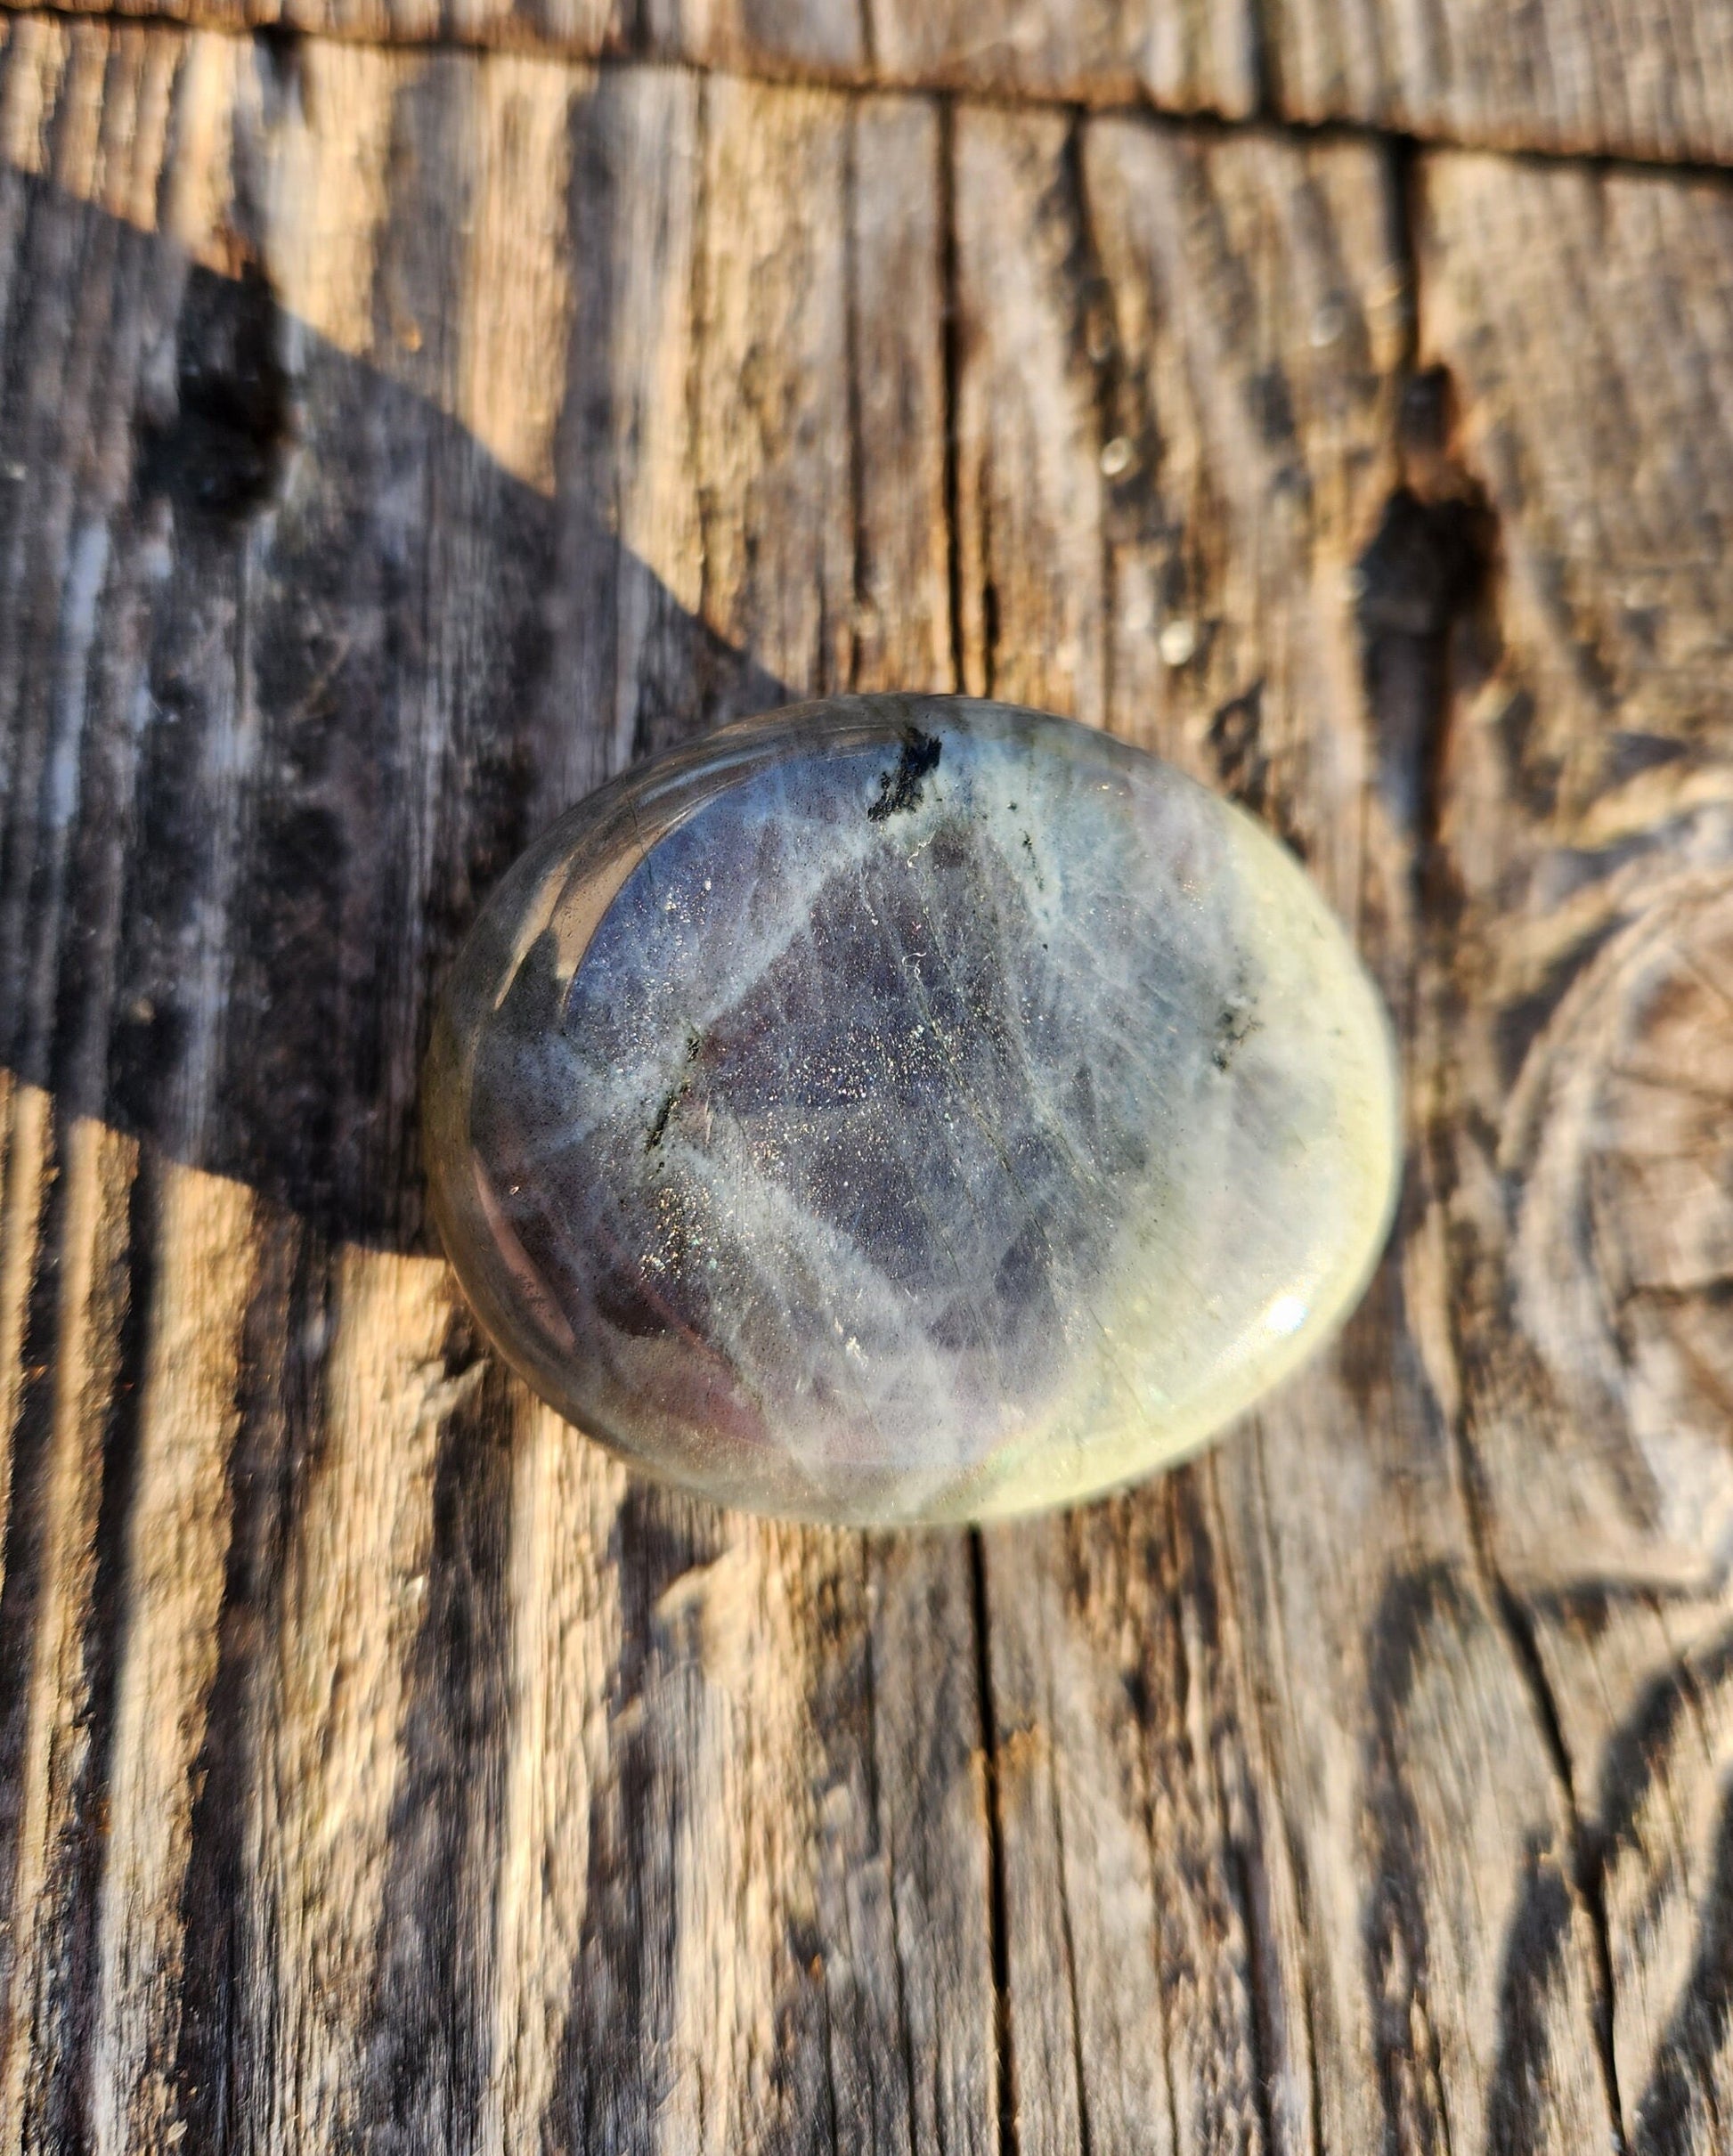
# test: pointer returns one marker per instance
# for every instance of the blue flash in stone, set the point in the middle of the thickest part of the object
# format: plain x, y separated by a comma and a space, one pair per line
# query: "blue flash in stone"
904, 1108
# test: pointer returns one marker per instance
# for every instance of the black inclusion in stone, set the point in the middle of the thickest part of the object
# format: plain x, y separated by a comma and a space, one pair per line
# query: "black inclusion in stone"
900, 791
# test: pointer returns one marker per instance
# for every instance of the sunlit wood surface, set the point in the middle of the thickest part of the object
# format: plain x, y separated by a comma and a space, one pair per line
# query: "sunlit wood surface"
404, 425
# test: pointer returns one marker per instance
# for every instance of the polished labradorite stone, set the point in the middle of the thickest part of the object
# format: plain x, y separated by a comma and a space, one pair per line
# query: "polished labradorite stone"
908, 1109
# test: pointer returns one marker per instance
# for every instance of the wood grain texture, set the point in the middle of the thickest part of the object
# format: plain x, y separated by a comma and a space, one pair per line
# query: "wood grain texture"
1653, 80
1187, 54
398, 443
1586, 889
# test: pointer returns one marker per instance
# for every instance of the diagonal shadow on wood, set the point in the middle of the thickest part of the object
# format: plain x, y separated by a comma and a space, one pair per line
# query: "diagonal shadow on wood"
291, 668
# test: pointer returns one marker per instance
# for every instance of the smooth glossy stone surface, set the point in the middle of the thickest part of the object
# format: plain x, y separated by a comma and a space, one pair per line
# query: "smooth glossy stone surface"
902, 1109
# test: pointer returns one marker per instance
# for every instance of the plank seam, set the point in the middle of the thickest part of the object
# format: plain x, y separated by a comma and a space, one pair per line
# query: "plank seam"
858, 591
951, 367
1067, 1940
883, 1828
1264, 56
1105, 375
998, 1931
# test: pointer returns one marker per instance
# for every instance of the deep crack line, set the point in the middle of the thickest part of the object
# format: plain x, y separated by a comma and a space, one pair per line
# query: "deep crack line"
998, 1940
1067, 1940
951, 367
1588, 1863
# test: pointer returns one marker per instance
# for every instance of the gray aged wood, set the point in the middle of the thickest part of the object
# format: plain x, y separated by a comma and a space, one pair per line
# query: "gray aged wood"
395, 443
1584, 1199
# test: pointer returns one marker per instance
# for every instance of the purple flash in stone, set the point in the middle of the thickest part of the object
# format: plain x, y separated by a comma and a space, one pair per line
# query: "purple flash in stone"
906, 1108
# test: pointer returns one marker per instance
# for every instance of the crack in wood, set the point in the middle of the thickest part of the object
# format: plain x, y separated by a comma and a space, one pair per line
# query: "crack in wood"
998, 1932
1067, 1941
1588, 1858
950, 300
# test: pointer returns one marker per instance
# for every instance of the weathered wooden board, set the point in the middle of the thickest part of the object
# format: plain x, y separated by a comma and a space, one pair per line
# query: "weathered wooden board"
1649, 79
394, 444
1584, 963
1185, 55
1269, 1763
1640, 78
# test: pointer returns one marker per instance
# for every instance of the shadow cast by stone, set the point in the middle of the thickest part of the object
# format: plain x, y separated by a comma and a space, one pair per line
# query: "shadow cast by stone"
291, 677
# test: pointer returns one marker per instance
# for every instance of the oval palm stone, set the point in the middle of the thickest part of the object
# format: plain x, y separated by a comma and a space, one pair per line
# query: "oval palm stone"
909, 1108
